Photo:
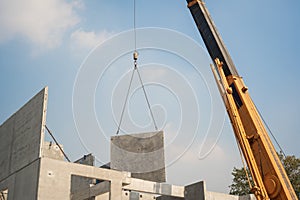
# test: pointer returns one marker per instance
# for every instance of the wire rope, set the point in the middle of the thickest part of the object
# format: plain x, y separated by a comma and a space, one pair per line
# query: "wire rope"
135, 57
124, 105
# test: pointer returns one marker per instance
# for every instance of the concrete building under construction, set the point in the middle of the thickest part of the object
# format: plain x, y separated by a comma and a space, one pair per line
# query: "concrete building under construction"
32, 168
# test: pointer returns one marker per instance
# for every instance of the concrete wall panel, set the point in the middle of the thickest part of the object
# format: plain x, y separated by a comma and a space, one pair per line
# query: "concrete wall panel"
22, 135
195, 191
26, 182
28, 131
6, 138
142, 154
55, 180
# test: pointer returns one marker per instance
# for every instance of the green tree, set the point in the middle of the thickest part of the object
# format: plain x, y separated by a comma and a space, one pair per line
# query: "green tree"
240, 185
291, 165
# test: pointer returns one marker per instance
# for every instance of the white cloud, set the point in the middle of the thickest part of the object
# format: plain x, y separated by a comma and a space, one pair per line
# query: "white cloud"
42, 23
87, 40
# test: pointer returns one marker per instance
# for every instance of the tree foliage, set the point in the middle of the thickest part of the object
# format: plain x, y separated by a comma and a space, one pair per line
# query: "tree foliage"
291, 165
240, 185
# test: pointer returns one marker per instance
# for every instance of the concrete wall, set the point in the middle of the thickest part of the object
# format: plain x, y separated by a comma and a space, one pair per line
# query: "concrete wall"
21, 136
141, 154
55, 179
22, 184
26, 182
51, 150
21, 141
79, 183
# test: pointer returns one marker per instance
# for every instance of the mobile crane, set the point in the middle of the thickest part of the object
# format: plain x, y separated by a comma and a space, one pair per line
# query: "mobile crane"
270, 180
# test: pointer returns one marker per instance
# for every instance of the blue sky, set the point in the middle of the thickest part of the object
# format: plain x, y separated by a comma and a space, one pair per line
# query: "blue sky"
52, 42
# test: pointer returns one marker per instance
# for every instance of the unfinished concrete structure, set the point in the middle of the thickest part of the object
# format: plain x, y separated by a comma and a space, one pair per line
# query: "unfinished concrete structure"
31, 168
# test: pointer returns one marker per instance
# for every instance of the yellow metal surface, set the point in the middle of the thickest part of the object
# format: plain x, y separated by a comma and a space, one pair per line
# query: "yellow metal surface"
269, 176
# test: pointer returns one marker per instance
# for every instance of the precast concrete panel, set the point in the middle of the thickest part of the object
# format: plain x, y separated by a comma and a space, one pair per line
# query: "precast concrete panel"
195, 191
6, 138
141, 154
54, 180
26, 182
22, 135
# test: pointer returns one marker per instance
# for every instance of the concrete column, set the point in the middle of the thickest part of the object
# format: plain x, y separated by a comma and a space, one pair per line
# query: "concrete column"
115, 190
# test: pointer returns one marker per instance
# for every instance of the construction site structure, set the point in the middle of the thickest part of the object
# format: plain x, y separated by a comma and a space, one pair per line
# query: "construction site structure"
269, 176
31, 168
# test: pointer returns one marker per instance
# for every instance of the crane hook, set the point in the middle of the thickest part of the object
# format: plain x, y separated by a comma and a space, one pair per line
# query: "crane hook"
135, 55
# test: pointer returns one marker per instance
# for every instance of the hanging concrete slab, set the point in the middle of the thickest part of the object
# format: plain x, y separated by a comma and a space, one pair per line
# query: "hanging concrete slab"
141, 154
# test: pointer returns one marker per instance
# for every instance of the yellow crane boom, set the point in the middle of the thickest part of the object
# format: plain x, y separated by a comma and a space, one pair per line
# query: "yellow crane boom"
269, 177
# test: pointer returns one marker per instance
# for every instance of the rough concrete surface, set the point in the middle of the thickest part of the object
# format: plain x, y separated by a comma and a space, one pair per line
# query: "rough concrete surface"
51, 150
141, 154
26, 182
78, 182
22, 134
